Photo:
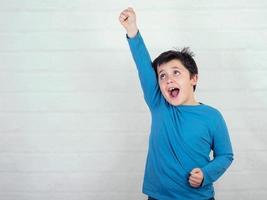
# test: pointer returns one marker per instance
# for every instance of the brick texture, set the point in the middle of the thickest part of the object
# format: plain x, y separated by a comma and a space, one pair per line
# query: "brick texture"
73, 122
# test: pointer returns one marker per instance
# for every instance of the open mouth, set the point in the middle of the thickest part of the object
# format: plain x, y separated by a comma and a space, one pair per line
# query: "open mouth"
173, 91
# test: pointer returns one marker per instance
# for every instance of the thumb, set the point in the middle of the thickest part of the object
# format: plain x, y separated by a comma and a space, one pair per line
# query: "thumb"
195, 171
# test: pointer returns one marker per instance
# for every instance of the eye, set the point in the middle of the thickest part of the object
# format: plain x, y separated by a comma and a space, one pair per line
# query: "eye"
162, 76
176, 72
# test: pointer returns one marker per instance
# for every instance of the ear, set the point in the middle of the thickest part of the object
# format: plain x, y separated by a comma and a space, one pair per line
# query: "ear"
194, 79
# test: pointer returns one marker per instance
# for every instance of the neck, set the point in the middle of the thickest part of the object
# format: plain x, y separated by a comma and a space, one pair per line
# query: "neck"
192, 101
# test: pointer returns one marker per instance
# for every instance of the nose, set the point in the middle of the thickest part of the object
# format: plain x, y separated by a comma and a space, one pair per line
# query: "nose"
169, 81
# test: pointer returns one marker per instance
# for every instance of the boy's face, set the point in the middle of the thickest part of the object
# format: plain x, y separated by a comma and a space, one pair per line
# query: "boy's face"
175, 83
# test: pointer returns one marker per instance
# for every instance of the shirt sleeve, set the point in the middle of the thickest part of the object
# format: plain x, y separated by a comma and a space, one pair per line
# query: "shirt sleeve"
145, 70
222, 153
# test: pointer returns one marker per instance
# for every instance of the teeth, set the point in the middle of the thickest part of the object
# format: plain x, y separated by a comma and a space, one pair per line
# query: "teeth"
172, 88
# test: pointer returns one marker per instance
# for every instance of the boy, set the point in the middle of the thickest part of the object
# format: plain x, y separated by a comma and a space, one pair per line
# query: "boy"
183, 131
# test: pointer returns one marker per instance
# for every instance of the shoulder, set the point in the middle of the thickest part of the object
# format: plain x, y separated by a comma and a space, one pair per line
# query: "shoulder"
211, 109
213, 114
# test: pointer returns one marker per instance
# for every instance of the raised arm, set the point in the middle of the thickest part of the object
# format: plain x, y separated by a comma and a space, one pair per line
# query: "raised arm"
141, 57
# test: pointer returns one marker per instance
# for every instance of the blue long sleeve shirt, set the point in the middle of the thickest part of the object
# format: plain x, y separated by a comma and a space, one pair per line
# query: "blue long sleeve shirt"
181, 139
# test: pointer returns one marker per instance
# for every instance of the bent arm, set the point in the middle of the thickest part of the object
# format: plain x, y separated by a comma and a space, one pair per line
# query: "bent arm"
223, 154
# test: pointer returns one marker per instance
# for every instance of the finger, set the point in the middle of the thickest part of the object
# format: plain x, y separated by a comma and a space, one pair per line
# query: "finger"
122, 19
123, 15
195, 171
126, 12
198, 181
193, 181
194, 178
193, 184
130, 9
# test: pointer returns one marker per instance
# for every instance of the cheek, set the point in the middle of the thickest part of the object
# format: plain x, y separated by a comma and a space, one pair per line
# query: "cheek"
185, 82
161, 86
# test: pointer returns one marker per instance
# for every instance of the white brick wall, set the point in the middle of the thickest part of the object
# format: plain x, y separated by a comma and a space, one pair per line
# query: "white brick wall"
73, 123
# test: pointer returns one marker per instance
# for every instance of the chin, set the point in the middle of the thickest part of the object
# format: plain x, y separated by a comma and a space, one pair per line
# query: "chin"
174, 102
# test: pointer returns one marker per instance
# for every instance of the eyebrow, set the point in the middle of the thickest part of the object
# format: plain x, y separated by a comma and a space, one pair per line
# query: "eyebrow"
174, 67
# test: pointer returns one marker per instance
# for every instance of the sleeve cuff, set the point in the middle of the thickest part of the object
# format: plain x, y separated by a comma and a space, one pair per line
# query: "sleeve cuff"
206, 179
132, 38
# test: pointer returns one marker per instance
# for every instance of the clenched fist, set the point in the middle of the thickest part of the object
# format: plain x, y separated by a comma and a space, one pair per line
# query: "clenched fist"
196, 177
127, 19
